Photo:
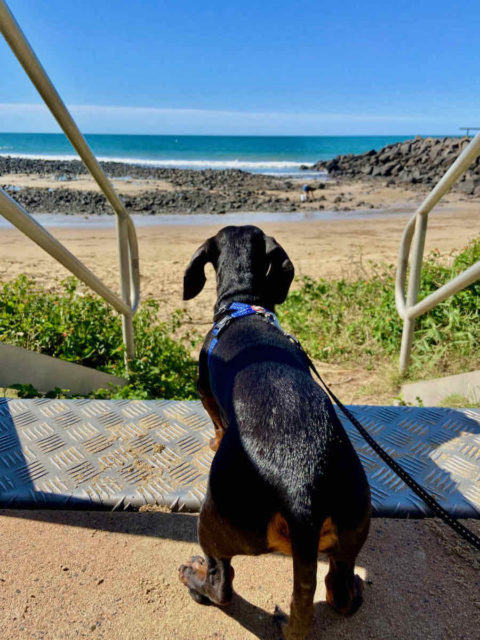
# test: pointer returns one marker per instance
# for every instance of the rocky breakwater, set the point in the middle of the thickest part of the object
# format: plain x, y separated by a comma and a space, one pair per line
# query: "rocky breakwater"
158, 190
421, 161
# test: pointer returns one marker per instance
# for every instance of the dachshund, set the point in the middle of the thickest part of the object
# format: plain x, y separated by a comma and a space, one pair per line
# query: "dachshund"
285, 477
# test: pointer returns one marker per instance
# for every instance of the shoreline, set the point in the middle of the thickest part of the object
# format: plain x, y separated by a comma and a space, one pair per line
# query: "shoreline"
142, 168
48, 186
292, 168
65, 187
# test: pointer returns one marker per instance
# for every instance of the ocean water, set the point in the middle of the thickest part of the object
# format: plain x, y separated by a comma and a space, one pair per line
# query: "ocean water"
281, 155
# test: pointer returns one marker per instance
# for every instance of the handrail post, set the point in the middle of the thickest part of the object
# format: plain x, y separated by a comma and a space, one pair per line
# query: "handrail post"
413, 289
23, 221
461, 164
124, 264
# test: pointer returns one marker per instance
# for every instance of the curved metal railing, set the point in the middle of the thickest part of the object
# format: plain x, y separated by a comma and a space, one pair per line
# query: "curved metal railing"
407, 305
127, 239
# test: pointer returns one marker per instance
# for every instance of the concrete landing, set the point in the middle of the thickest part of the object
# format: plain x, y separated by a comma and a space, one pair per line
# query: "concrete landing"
45, 373
433, 392
120, 454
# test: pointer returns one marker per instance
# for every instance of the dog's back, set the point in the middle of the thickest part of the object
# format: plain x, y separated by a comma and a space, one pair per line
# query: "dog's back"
285, 452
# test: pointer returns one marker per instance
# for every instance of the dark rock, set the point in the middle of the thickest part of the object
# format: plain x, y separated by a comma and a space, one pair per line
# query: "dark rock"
416, 161
333, 166
202, 191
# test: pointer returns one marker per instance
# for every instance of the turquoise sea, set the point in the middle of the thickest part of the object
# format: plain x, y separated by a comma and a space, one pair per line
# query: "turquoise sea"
263, 154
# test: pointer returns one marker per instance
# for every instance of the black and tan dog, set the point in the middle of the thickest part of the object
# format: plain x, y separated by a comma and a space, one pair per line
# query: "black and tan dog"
285, 476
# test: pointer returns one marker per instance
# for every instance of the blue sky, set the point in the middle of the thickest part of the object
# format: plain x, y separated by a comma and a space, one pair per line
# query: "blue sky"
307, 67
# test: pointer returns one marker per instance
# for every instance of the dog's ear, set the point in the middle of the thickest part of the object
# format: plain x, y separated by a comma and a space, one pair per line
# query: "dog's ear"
280, 271
194, 277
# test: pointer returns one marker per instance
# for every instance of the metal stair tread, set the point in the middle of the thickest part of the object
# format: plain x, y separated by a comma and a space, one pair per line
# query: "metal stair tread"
120, 454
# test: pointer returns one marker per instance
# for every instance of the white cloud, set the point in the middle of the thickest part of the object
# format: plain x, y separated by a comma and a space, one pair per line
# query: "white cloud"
26, 117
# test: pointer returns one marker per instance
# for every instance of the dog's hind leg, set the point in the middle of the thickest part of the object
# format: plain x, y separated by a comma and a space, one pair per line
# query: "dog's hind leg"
304, 540
344, 588
209, 579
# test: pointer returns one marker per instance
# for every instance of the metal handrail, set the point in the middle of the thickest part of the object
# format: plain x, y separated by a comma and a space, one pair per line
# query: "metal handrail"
127, 239
407, 306
15, 214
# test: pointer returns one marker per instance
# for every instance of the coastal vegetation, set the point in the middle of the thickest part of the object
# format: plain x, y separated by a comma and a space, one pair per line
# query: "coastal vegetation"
347, 322
70, 323
356, 323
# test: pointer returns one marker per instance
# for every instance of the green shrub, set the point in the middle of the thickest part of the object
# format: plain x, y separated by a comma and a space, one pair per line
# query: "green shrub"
357, 321
75, 325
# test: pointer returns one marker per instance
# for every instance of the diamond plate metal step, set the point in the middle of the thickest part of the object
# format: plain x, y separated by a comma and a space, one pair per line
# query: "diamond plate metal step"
123, 454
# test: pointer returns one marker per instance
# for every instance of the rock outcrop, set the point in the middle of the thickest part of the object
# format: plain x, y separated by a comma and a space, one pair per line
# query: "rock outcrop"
204, 191
181, 201
418, 161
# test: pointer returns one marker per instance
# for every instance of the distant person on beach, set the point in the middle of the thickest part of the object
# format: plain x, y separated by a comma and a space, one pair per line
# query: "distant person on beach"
307, 190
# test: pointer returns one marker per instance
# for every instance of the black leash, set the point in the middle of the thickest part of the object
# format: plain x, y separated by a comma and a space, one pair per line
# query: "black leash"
241, 309
429, 500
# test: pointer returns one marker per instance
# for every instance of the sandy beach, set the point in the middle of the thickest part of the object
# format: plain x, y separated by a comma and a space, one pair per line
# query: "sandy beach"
324, 124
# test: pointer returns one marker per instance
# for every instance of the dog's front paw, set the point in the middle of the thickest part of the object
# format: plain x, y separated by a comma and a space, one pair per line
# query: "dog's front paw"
192, 574
345, 601
193, 571
357, 596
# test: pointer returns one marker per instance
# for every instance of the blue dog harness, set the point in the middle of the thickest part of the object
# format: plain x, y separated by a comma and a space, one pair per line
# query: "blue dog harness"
239, 310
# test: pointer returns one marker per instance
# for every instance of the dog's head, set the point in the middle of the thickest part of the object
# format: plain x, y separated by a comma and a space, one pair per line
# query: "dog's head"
250, 267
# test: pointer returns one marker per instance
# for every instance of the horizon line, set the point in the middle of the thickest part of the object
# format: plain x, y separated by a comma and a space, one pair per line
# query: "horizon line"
242, 135
141, 120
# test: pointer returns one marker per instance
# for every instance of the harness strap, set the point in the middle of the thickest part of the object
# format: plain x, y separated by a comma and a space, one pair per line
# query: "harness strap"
238, 310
